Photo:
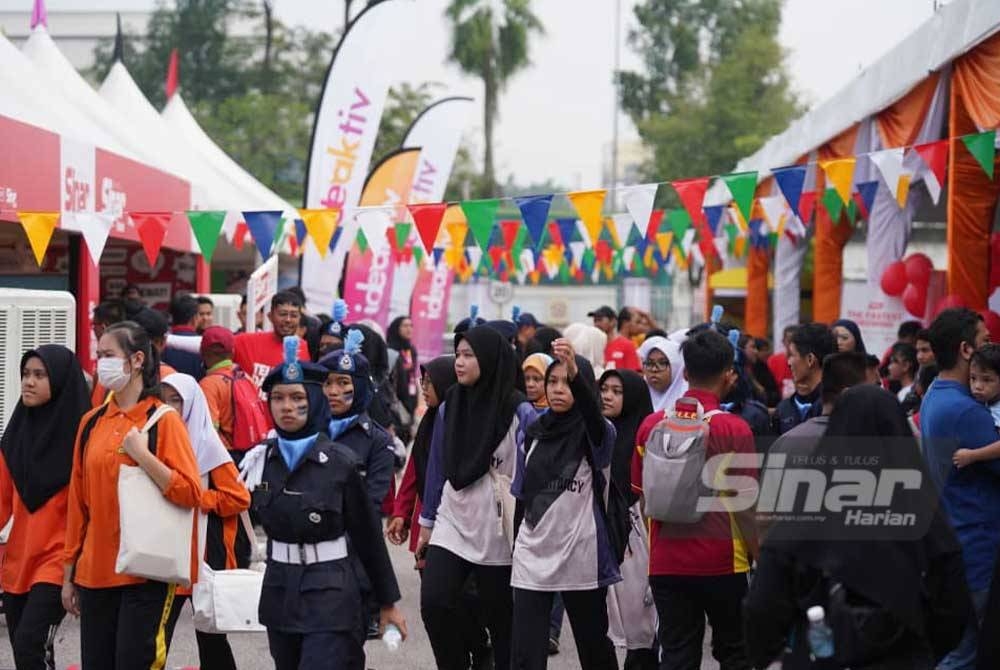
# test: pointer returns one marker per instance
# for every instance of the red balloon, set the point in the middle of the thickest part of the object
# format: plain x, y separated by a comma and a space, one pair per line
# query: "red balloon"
992, 321
918, 269
894, 279
915, 300
950, 301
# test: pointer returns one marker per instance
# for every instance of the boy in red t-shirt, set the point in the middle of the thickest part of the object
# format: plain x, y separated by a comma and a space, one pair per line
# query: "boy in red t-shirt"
619, 353
777, 363
698, 570
257, 353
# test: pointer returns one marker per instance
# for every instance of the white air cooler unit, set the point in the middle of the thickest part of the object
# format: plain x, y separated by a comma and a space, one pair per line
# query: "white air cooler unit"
29, 319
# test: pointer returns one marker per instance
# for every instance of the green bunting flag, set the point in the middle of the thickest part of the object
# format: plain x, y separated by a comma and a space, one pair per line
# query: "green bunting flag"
402, 235
741, 186
680, 222
983, 148
206, 227
834, 205
418, 253
481, 214
362, 241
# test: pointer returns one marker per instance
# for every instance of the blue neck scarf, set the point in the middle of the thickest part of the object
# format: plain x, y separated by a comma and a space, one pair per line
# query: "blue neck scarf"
340, 426
293, 450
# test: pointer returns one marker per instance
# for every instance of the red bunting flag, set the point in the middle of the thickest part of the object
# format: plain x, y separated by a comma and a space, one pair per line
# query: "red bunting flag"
935, 155
807, 205
152, 229
428, 219
509, 230
654, 224
692, 195
173, 74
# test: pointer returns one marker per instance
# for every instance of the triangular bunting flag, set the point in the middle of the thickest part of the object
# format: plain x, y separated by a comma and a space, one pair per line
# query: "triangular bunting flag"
233, 218
300, 232
428, 219
741, 186
663, 241
713, 214
576, 252
807, 205
373, 224
152, 229
890, 165
790, 181
834, 205
867, 190
566, 227
775, 208
903, 191
840, 172
935, 157
588, 205
39, 226
320, 225
639, 203
679, 222
263, 227
401, 235
982, 146
480, 214
692, 195
240, 235
509, 231
655, 221
623, 228
207, 226
535, 212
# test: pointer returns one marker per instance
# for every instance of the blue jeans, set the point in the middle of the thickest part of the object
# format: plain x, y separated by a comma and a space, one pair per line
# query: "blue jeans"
963, 657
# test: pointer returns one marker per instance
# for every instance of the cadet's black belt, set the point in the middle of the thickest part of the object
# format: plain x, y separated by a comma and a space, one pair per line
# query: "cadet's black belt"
307, 554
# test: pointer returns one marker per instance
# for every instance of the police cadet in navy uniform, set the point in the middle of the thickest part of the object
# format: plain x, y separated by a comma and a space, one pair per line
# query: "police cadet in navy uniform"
309, 495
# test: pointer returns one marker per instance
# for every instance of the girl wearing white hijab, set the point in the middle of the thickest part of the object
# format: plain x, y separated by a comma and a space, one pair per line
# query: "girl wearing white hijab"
665, 379
223, 498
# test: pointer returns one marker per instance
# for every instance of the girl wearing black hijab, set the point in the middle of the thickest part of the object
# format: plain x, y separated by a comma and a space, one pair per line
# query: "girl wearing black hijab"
912, 582
847, 336
625, 401
406, 372
37, 458
467, 500
309, 496
563, 544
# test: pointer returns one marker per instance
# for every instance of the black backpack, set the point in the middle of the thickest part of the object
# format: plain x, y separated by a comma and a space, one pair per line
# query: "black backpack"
95, 417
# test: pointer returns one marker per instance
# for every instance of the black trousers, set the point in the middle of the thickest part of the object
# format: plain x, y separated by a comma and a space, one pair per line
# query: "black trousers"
126, 627
682, 604
588, 615
332, 650
214, 652
32, 621
441, 608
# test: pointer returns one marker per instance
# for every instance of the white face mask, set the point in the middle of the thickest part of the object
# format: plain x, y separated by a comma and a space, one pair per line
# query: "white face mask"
111, 374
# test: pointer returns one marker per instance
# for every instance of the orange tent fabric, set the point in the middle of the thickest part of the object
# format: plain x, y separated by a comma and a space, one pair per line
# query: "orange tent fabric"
758, 261
899, 123
830, 238
972, 196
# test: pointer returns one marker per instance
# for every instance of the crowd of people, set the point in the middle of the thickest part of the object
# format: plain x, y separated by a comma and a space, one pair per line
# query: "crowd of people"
534, 473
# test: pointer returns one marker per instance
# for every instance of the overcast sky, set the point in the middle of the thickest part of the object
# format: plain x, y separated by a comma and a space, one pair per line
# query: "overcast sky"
556, 118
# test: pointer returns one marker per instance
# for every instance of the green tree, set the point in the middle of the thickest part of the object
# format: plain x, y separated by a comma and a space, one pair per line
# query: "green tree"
403, 105
711, 94
493, 48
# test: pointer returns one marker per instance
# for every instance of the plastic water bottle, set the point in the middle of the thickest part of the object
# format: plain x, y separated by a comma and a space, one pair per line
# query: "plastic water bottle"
820, 635
392, 637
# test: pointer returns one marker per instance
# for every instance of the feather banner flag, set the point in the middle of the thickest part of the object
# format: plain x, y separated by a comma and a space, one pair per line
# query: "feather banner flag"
639, 202
840, 172
39, 227
152, 229
741, 186
588, 205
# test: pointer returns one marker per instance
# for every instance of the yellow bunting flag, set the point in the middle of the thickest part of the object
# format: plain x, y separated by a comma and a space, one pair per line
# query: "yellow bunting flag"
588, 205
663, 241
39, 226
840, 172
903, 190
321, 224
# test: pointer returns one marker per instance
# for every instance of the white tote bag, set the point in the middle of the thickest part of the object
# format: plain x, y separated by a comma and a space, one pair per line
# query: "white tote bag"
155, 539
226, 601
